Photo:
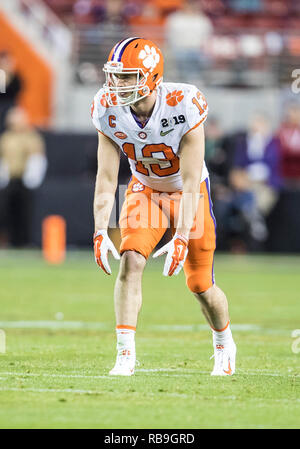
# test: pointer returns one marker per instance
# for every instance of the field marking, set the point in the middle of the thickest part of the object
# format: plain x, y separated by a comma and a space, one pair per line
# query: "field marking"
64, 325
66, 376
81, 325
50, 390
165, 393
176, 372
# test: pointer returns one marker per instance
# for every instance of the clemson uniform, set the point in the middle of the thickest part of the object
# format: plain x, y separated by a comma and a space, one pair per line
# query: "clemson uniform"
133, 71
153, 152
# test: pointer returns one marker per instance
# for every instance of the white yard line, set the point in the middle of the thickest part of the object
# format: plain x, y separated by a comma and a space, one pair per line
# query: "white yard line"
66, 376
81, 325
167, 371
155, 395
50, 390
56, 325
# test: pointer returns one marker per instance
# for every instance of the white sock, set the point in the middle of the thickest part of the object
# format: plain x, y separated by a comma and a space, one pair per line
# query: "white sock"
222, 337
126, 340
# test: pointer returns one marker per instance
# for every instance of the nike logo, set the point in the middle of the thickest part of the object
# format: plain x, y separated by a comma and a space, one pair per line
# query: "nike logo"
164, 133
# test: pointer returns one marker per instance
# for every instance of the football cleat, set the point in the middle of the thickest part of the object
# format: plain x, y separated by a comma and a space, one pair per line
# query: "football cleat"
224, 359
125, 364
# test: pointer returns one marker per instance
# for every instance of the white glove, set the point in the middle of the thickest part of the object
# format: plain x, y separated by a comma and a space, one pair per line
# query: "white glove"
177, 250
103, 244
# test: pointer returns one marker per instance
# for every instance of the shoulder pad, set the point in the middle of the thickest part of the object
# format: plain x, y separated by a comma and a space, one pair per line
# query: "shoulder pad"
99, 105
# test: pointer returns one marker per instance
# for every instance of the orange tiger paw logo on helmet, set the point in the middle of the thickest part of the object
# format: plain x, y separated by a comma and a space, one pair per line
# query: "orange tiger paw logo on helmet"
175, 97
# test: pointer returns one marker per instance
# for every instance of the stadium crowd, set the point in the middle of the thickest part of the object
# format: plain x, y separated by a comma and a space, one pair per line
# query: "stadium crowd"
156, 11
248, 170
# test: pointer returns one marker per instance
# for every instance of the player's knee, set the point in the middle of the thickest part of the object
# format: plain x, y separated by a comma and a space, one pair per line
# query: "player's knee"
212, 296
207, 296
199, 285
132, 264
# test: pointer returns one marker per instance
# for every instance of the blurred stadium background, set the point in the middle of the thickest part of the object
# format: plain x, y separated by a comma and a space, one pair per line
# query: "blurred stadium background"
243, 54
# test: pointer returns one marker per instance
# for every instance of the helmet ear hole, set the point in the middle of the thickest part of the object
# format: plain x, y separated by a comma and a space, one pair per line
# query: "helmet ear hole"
154, 77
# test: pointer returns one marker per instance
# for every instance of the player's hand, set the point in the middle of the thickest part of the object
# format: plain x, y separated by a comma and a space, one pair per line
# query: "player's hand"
103, 244
177, 250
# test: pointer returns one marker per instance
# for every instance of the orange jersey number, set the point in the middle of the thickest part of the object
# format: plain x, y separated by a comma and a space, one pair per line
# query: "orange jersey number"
129, 150
149, 151
202, 107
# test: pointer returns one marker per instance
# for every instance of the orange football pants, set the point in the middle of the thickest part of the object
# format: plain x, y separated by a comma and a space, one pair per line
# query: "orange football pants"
146, 215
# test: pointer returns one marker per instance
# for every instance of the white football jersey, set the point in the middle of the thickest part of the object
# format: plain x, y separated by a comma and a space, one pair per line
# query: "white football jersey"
152, 151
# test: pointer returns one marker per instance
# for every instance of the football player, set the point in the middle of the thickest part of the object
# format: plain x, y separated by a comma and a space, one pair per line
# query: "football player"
159, 127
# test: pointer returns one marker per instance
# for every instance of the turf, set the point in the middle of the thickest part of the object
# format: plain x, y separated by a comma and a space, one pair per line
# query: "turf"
54, 372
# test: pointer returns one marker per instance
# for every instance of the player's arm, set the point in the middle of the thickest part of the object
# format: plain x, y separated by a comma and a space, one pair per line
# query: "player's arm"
105, 188
191, 164
106, 180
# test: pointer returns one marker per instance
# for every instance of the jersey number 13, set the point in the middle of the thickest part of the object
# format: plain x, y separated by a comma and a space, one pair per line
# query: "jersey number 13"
149, 151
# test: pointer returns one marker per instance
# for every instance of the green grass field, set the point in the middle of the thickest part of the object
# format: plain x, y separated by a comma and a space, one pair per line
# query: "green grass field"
54, 373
